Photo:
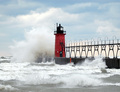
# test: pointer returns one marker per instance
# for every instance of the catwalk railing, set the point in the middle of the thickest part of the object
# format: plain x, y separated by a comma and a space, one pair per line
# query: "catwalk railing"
104, 48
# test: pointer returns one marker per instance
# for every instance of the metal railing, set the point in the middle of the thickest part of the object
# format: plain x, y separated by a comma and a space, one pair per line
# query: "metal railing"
105, 48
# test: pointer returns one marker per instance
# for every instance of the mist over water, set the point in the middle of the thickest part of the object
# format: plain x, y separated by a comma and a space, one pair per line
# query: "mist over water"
38, 42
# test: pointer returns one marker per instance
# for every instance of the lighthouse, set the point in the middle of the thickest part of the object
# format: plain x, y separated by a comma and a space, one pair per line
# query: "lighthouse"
59, 41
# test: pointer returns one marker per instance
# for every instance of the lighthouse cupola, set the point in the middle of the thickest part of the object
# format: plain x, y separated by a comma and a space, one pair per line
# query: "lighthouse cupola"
59, 41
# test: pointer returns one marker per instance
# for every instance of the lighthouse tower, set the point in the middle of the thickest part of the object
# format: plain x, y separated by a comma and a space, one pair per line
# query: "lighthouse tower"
59, 41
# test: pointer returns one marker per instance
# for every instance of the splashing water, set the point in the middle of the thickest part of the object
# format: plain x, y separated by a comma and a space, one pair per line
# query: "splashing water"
96, 63
39, 42
26, 76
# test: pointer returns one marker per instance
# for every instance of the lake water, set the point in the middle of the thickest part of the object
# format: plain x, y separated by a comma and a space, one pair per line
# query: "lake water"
50, 77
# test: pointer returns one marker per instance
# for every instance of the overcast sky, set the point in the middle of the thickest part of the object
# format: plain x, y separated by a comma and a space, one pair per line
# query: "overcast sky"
82, 19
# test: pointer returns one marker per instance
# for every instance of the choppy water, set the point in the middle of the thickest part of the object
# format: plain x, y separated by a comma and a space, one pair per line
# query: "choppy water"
50, 77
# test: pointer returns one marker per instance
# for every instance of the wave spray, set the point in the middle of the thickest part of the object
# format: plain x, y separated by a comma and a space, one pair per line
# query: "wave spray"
38, 43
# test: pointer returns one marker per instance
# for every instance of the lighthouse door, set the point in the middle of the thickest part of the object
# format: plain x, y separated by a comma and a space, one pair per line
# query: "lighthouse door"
61, 54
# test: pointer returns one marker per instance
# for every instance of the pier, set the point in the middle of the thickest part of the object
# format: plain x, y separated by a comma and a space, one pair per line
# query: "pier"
93, 48
78, 52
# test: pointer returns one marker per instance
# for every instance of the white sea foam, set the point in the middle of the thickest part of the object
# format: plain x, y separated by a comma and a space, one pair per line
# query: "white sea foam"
77, 80
114, 71
7, 88
69, 80
110, 84
60, 75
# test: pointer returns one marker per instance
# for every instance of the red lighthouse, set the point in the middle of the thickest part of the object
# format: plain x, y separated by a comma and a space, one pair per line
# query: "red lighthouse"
59, 41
